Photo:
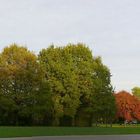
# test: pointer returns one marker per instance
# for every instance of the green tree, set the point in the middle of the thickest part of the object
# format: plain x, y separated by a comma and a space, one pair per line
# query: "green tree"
104, 106
77, 80
136, 92
21, 77
69, 74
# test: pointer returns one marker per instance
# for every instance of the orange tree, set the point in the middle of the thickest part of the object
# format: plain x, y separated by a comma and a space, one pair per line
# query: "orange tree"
128, 106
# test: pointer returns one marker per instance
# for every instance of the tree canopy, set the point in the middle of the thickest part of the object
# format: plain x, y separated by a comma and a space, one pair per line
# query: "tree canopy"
128, 106
21, 79
61, 86
136, 92
76, 79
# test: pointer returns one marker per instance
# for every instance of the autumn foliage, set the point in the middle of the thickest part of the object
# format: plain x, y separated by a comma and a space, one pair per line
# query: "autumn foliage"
128, 106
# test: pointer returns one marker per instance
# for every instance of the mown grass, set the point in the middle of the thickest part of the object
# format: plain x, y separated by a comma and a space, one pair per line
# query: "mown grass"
62, 131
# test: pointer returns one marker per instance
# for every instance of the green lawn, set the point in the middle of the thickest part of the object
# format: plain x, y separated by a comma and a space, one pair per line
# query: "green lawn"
58, 131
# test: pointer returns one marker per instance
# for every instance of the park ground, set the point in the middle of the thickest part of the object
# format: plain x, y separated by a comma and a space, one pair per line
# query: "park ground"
6, 132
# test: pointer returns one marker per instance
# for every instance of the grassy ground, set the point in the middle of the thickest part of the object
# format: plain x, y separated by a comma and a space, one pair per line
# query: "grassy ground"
59, 131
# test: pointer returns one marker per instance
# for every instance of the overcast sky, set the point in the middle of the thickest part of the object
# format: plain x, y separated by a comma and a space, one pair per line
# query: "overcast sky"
111, 28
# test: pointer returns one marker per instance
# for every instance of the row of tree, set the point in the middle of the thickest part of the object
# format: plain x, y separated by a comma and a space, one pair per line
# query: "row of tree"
62, 85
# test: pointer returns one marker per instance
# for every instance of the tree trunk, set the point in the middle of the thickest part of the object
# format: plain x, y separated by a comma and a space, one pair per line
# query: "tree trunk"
111, 123
56, 121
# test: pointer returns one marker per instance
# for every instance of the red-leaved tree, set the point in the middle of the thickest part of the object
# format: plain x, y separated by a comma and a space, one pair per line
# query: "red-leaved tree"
128, 106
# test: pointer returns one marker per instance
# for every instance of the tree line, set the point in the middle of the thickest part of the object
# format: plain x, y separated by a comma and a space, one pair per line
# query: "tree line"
61, 86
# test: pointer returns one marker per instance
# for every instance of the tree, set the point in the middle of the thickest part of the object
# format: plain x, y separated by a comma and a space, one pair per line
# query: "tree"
76, 78
21, 77
136, 92
68, 74
103, 101
83, 68
128, 106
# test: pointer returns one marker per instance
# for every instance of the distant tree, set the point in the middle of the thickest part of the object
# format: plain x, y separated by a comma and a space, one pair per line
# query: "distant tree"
128, 106
136, 92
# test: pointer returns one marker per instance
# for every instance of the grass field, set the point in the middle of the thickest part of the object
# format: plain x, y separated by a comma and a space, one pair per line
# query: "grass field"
59, 131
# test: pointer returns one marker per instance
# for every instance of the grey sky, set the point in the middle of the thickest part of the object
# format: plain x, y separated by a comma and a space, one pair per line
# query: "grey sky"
111, 28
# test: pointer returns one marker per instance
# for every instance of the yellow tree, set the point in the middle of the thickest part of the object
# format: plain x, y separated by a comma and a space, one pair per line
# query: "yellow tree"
21, 77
